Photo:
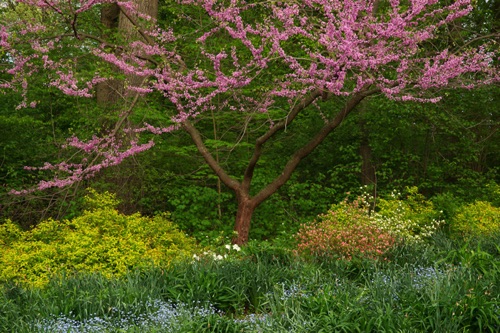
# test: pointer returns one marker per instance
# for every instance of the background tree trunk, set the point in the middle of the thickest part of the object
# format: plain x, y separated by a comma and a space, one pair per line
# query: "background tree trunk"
109, 93
130, 30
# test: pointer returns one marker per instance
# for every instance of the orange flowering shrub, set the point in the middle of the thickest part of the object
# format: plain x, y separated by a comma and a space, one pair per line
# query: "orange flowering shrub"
346, 231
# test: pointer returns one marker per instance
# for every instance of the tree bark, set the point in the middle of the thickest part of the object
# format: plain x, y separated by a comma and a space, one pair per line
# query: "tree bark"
128, 25
368, 176
367, 168
246, 207
108, 93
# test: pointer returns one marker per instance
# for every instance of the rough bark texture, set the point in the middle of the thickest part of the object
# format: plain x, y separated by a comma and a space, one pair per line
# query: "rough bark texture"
367, 168
111, 92
496, 17
148, 7
368, 176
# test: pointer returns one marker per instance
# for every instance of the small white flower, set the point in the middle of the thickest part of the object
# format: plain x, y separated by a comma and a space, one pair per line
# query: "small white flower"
228, 247
236, 247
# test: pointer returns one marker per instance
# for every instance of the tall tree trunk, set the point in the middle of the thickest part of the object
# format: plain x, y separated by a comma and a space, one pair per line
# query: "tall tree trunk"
108, 93
368, 176
367, 169
495, 8
127, 23
128, 26
111, 92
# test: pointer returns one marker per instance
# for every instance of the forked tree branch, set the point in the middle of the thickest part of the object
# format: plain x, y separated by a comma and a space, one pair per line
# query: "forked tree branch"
259, 143
300, 154
211, 161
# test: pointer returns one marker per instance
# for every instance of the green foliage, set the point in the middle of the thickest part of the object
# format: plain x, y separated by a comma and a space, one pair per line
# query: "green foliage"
100, 201
9, 233
195, 209
447, 203
476, 219
446, 286
413, 219
476, 259
101, 240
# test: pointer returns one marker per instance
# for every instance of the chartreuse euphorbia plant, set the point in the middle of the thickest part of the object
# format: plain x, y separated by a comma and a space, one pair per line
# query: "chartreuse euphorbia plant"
246, 58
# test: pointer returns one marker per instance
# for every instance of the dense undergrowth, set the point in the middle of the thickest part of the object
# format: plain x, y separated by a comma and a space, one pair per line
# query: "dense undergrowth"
442, 287
396, 267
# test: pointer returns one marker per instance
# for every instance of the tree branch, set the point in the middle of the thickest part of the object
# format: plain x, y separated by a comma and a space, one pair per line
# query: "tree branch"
259, 143
212, 163
300, 154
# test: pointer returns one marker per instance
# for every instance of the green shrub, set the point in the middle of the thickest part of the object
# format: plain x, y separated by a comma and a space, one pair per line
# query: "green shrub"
9, 233
477, 219
413, 219
101, 240
346, 231
354, 228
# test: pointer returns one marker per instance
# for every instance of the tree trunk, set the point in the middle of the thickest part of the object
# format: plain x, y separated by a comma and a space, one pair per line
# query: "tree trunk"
108, 93
246, 207
127, 24
495, 8
148, 7
367, 168
368, 176
248, 204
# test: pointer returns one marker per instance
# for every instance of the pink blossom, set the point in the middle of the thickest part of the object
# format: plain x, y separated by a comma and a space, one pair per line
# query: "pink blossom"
339, 47
4, 35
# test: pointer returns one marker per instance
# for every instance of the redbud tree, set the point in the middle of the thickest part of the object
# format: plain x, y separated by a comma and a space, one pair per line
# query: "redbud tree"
271, 61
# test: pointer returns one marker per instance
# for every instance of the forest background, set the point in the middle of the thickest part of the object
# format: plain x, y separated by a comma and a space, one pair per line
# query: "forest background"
449, 150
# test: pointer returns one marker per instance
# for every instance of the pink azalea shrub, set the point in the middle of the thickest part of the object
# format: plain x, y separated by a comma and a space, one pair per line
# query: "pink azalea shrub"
345, 231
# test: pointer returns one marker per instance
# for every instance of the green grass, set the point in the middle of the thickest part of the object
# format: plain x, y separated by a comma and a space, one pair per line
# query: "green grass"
444, 286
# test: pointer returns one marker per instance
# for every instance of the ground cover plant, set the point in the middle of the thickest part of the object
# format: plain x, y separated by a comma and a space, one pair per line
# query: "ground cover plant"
437, 284
259, 292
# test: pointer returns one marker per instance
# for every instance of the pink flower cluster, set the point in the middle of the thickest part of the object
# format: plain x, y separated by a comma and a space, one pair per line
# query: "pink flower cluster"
346, 47
338, 47
99, 153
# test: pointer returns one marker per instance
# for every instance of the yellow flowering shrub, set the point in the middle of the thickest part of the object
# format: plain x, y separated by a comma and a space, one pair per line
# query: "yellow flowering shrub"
477, 219
101, 240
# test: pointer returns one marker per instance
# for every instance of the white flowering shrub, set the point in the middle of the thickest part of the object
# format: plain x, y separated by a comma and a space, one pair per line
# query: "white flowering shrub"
229, 250
412, 219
